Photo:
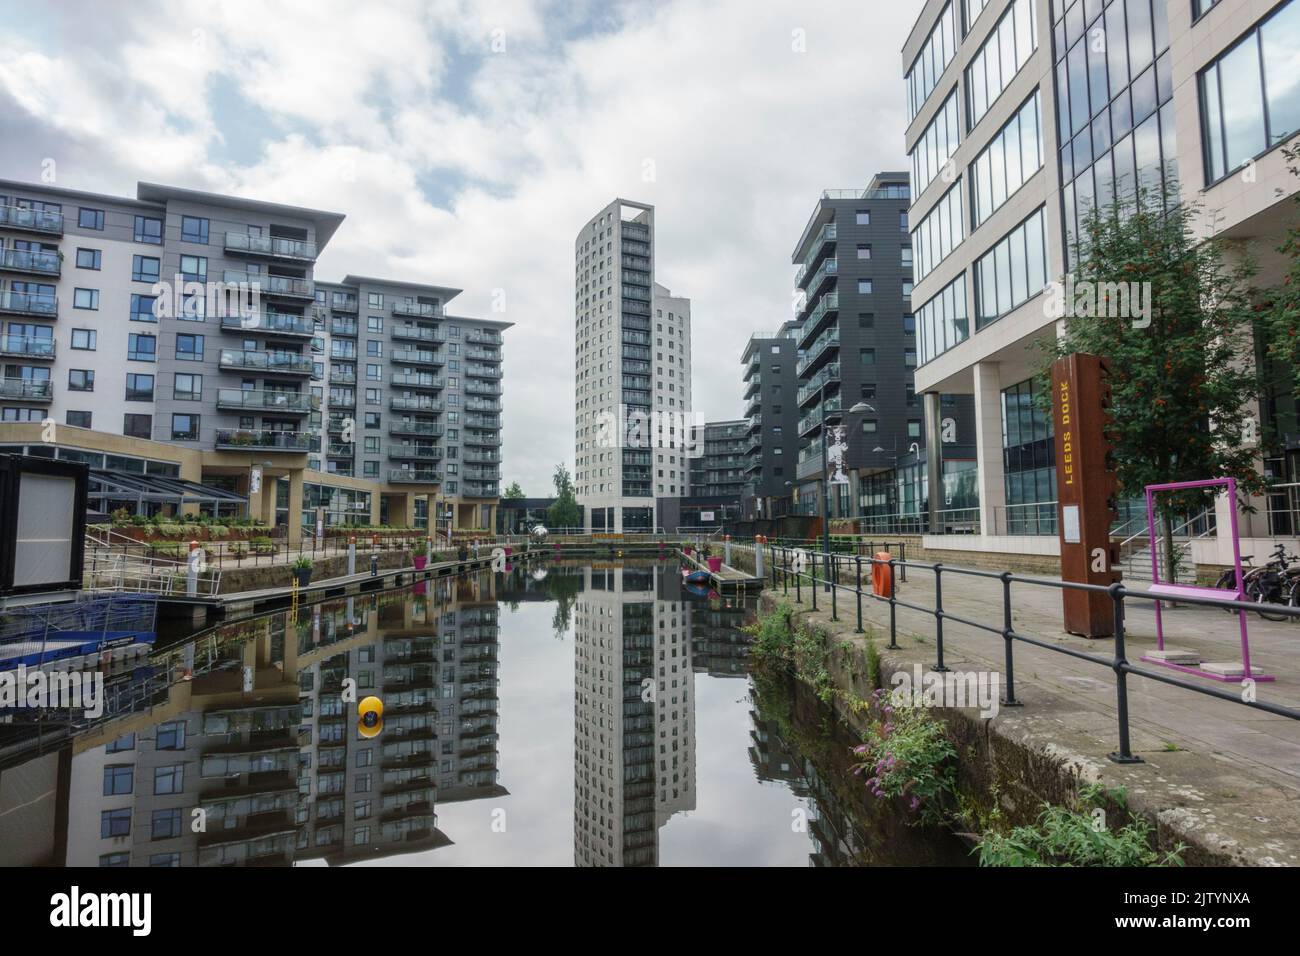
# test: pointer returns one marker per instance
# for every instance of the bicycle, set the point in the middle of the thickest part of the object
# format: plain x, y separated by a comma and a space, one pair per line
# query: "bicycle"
1277, 582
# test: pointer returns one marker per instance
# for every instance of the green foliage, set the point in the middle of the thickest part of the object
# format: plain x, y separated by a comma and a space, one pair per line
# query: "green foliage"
906, 754
564, 513
1280, 319
1182, 386
303, 563
1077, 837
514, 491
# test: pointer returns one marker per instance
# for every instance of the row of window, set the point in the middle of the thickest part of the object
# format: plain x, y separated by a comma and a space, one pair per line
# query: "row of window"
1013, 271
148, 228
941, 231
1009, 160
1007, 49
937, 52
937, 144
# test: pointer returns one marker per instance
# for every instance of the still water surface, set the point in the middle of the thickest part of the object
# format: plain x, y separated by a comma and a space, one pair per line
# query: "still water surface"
554, 715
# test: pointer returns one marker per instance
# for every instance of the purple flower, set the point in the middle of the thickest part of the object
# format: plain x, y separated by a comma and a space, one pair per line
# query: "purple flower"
916, 801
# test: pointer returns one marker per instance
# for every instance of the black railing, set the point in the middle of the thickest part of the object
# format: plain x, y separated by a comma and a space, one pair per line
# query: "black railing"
800, 565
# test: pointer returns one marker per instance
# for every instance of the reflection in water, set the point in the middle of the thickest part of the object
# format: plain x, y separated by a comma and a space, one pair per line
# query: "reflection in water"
241, 745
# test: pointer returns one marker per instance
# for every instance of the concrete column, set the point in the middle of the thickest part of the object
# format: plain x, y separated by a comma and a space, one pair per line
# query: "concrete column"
933, 414
988, 446
407, 516
374, 506
295, 507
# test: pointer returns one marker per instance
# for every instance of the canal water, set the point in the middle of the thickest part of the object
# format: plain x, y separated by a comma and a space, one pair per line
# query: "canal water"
556, 714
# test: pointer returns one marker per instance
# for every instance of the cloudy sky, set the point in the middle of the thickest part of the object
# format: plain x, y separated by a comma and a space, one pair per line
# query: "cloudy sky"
468, 142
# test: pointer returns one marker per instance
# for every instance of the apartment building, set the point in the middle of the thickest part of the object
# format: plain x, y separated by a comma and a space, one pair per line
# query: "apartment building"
632, 361
1022, 115
190, 321
856, 338
769, 392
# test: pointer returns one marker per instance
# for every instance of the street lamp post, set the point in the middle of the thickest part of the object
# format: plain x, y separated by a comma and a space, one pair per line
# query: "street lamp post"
826, 479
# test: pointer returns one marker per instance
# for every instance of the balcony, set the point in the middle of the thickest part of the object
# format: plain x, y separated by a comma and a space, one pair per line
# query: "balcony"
23, 219
26, 390
340, 376
269, 323
482, 388
417, 333
481, 405
341, 449
482, 474
831, 373
481, 439
481, 457
417, 357
258, 400
271, 247
480, 489
343, 303
26, 346
27, 261
343, 327
829, 304
414, 476
336, 424
820, 245
342, 401
414, 403
483, 355
483, 337
483, 371
284, 287
404, 452
273, 363
417, 429
812, 421
418, 310
830, 339
426, 382
239, 439
29, 303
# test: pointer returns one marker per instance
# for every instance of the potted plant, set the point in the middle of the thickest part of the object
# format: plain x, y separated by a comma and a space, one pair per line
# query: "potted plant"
302, 570
418, 560
714, 561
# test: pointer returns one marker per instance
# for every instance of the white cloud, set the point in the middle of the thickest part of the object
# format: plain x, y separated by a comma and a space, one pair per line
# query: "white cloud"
363, 104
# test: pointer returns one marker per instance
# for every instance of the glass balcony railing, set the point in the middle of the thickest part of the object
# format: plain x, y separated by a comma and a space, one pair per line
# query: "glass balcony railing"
430, 382
32, 220
273, 246
417, 357
414, 403
414, 476
295, 403
404, 452
27, 260
290, 287
418, 333
26, 346
483, 337
26, 390
418, 429
343, 303
238, 438
831, 373
269, 323
283, 363
420, 310
29, 303
828, 339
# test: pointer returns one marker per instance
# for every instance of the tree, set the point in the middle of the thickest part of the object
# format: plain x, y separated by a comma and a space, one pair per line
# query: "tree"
514, 491
564, 513
1182, 371
1280, 318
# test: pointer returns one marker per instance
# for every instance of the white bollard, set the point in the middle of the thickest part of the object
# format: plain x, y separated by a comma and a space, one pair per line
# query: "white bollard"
352, 555
726, 550
758, 557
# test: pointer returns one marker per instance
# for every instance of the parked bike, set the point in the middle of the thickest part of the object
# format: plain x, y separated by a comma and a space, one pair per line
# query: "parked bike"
1277, 582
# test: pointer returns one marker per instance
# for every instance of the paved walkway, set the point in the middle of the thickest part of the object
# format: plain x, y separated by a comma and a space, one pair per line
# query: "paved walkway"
1227, 771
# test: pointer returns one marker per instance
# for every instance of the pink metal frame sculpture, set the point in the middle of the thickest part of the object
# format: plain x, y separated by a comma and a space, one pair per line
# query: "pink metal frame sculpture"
1175, 590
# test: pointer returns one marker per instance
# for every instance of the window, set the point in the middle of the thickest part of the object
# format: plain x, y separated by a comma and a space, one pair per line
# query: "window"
374, 323
117, 779
189, 348
1012, 272
909, 358
170, 736
89, 259
863, 217
907, 288
142, 308
90, 219
909, 324
1201, 7
145, 269
137, 426
141, 348
905, 257
1010, 159
121, 745
194, 229
1249, 99
864, 250
939, 232
81, 380
936, 145
864, 287
166, 824
194, 268
187, 387
867, 356
375, 300
139, 388
868, 426
1005, 51
935, 55
79, 419
913, 428
85, 299
148, 229
185, 427
165, 859
943, 321
114, 823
